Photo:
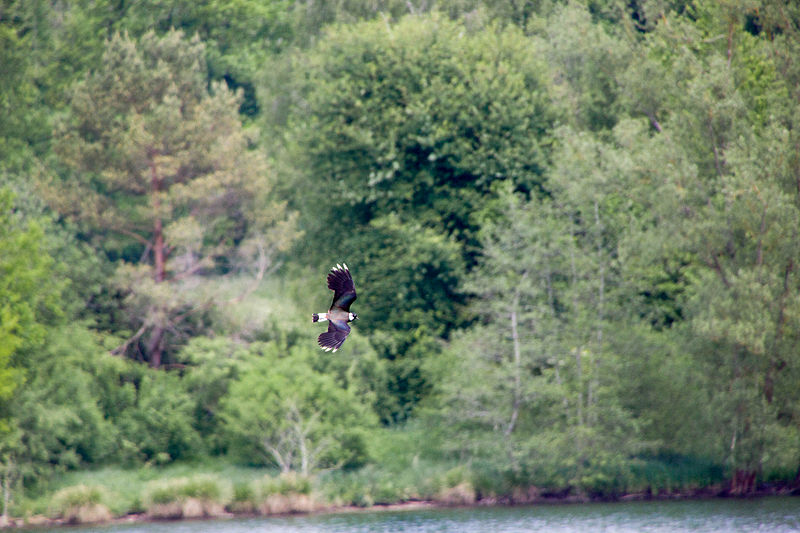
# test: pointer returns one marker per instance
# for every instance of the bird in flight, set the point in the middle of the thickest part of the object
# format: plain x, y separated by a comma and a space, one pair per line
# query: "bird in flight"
344, 293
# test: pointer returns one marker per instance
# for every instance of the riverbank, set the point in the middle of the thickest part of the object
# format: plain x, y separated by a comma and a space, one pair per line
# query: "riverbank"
197, 509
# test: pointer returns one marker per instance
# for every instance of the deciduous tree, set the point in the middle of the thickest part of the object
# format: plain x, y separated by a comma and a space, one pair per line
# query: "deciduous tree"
292, 416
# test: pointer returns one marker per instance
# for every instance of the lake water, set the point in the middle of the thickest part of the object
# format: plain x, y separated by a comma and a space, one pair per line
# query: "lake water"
772, 514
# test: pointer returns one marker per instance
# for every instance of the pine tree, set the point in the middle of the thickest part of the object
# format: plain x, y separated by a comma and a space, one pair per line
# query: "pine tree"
163, 177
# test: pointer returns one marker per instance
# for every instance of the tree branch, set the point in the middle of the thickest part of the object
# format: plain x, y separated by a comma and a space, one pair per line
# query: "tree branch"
720, 271
122, 348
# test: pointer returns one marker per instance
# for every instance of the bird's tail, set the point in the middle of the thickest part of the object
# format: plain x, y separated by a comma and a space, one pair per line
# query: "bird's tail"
315, 317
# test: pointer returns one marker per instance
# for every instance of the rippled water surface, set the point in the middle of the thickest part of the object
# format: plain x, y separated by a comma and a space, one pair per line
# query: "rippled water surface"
774, 514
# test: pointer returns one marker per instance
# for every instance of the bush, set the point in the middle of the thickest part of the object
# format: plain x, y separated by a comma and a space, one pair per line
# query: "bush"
461, 494
287, 493
349, 488
244, 498
80, 504
285, 413
159, 425
77, 496
201, 496
285, 484
370, 486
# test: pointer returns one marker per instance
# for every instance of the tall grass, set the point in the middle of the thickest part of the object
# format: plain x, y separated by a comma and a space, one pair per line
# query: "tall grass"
80, 504
127, 489
402, 470
668, 473
198, 496
283, 494
405, 467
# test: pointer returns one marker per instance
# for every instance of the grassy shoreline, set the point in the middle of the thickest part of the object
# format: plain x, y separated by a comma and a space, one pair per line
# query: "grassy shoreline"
709, 493
221, 490
42, 521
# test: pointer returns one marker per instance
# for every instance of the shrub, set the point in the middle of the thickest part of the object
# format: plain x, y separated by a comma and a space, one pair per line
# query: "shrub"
461, 494
158, 427
455, 488
285, 484
283, 412
201, 496
244, 498
80, 504
288, 493
370, 486
77, 496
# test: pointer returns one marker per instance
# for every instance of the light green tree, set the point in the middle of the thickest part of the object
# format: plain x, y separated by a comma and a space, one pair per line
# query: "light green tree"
585, 63
515, 345
744, 306
28, 294
546, 407
712, 186
285, 413
29, 304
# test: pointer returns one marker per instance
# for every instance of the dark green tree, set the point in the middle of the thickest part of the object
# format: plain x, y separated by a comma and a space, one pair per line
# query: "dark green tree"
398, 134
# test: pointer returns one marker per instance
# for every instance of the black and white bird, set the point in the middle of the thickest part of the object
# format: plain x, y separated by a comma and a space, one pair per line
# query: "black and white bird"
344, 293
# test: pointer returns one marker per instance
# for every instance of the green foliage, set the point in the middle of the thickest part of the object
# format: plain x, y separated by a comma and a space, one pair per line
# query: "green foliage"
239, 35
77, 496
419, 119
58, 412
175, 490
81, 504
411, 274
671, 472
158, 426
211, 366
590, 206
282, 412
285, 484
196, 497
585, 61
20, 124
164, 164
30, 304
400, 132
29, 296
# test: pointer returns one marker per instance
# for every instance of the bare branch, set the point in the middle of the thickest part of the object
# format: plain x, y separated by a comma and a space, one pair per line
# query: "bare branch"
122, 348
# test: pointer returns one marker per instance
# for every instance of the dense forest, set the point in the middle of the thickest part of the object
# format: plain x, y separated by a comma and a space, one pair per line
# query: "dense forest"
572, 224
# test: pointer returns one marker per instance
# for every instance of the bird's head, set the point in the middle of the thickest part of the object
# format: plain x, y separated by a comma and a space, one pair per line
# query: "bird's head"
353, 316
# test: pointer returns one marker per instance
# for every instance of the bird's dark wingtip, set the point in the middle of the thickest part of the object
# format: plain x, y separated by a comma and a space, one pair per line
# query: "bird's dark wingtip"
328, 341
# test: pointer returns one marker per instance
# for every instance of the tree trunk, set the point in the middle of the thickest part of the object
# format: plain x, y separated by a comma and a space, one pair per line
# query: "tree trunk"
743, 483
517, 377
9, 475
158, 252
155, 347
594, 382
517, 400
6, 499
159, 255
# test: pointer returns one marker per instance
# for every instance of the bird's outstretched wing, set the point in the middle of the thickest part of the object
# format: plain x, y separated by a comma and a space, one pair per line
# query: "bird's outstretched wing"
344, 292
332, 340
